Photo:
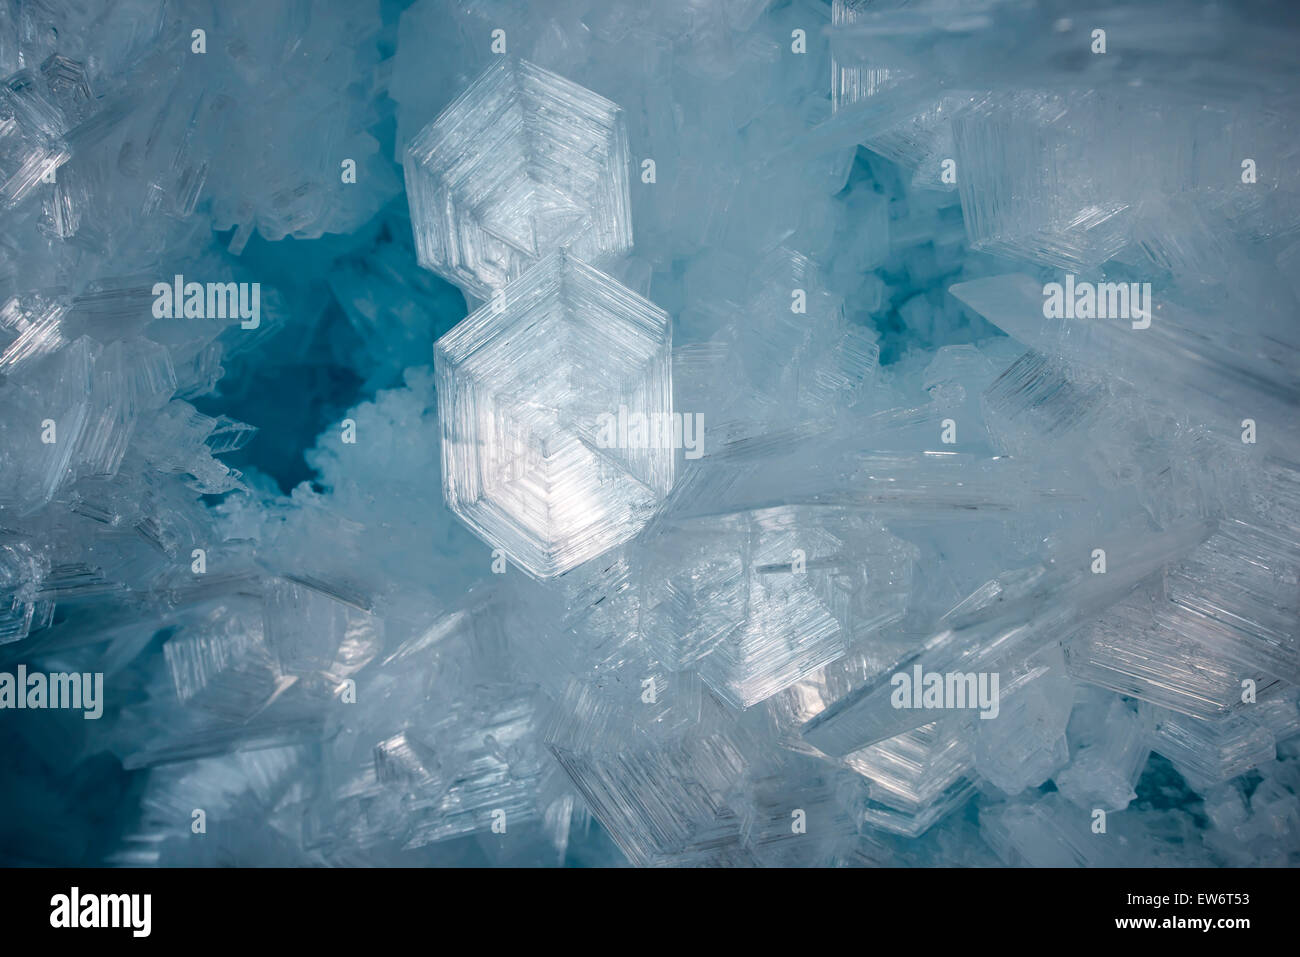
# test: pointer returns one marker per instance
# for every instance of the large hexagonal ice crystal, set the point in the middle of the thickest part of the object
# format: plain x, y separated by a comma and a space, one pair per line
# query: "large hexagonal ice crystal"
522, 163
527, 388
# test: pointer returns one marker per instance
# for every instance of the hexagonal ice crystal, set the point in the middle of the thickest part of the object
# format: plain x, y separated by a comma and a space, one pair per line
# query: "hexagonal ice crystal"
522, 163
555, 401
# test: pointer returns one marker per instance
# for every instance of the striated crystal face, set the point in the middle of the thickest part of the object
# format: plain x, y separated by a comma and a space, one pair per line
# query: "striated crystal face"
533, 391
522, 163
31, 144
758, 600
910, 781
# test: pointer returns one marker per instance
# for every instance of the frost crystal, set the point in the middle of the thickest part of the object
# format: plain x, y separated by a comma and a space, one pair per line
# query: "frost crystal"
921, 489
522, 163
534, 390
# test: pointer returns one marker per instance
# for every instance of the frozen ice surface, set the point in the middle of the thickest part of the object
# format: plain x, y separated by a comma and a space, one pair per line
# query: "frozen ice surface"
1046, 833
1192, 654
797, 352
767, 819
758, 600
31, 328
555, 403
380, 583
522, 163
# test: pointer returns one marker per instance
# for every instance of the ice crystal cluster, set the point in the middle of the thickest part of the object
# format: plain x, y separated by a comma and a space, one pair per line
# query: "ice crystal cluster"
600, 433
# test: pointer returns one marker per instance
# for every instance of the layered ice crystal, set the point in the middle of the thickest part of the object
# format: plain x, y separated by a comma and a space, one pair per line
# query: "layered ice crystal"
522, 163
31, 136
556, 410
663, 801
758, 600
1109, 742
910, 781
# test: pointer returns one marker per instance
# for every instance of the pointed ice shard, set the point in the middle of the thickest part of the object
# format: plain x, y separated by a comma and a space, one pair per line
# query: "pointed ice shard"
556, 407
1215, 368
1003, 622
523, 162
